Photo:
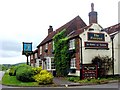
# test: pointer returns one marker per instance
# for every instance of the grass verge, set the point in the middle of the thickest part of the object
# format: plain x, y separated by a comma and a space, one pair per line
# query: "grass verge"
12, 81
91, 81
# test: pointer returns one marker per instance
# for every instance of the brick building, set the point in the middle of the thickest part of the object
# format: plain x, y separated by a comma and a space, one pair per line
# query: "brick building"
85, 42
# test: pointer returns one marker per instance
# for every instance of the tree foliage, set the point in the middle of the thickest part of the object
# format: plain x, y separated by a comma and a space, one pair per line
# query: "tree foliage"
61, 54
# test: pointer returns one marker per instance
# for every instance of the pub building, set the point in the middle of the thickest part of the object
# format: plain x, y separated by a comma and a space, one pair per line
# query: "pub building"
85, 42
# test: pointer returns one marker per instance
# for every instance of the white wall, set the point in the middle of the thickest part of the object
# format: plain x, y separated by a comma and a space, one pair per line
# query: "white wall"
116, 53
89, 54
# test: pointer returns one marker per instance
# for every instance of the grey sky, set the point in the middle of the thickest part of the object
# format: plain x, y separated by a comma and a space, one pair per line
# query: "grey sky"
28, 21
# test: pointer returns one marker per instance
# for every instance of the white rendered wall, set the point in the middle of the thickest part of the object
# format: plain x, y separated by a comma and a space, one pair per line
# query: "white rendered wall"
116, 51
89, 54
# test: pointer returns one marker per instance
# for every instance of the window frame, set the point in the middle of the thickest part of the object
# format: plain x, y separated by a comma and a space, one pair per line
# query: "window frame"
72, 44
40, 50
73, 63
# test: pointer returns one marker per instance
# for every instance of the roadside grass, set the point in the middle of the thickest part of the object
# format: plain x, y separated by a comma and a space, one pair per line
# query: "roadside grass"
91, 81
12, 81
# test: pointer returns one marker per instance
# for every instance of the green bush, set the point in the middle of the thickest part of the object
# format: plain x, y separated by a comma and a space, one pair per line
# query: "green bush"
44, 77
25, 73
37, 70
71, 79
12, 71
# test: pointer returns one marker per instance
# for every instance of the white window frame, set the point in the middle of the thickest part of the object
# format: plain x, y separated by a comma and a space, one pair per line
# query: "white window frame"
48, 63
72, 44
40, 50
46, 46
53, 45
35, 55
73, 63
32, 56
52, 63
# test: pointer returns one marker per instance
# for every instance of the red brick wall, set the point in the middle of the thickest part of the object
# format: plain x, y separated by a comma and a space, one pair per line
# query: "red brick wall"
77, 54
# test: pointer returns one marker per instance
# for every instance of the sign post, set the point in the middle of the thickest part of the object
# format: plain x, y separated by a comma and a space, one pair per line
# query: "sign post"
27, 50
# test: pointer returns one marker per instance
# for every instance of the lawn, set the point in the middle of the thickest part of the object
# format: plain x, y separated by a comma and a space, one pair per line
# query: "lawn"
12, 81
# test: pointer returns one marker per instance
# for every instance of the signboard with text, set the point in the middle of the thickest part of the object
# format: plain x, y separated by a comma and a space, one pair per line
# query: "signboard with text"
96, 45
96, 36
89, 71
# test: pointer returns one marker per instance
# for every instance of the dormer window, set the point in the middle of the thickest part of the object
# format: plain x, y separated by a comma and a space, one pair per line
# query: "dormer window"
72, 44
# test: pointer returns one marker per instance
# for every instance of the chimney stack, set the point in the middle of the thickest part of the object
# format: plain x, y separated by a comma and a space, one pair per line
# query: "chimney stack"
92, 15
50, 29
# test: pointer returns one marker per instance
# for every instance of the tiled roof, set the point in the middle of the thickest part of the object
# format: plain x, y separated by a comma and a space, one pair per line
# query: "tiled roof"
79, 31
113, 29
35, 51
72, 25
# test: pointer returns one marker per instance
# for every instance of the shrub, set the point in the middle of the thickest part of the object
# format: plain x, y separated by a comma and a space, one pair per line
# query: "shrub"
12, 71
44, 77
25, 74
36, 70
71, 79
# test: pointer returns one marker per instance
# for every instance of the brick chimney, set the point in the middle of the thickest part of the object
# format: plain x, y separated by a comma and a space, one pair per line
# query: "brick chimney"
50, 29
92, 15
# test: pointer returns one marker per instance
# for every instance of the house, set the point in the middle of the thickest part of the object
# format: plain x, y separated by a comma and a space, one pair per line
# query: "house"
85, 42
114, 32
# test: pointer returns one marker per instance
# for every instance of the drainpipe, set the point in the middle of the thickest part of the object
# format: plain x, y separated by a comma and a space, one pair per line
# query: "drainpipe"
112, 37
81, 58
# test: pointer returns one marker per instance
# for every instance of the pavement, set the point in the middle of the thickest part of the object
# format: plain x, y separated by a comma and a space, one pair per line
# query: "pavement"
60, 81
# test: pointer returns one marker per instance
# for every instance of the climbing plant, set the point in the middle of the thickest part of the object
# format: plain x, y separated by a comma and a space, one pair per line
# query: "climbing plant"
61, 54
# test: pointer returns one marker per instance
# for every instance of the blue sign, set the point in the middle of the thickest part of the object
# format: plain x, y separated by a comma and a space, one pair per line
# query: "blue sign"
27, 48
96, 36
96, 45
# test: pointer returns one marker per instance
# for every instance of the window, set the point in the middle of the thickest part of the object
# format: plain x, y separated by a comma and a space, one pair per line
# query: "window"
40, 63
48, 63
35, 55
73, 63
53, 45
72, 44
46, 46
31, 56
40, 50
52, 63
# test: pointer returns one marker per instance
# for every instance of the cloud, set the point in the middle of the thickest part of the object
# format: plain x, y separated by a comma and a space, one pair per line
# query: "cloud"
10, 48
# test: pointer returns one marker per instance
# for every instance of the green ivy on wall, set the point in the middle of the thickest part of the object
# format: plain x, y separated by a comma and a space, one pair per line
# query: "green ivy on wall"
61, 54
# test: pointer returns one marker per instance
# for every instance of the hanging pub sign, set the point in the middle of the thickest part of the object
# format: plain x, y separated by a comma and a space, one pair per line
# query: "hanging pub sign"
96, 36
96, 45
27, 48
89, 71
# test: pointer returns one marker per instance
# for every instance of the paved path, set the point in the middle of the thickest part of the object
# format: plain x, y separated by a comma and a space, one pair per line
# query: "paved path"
62, 81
